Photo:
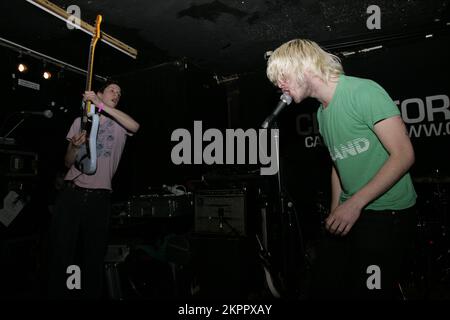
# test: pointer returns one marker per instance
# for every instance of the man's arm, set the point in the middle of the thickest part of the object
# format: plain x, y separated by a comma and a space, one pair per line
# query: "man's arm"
394, 137
336, 189
74, 144
125, 120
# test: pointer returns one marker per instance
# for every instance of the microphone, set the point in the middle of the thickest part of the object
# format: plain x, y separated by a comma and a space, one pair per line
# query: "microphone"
285, 100
45, 113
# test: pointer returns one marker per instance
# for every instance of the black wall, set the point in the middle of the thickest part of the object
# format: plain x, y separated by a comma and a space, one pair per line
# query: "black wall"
169, 97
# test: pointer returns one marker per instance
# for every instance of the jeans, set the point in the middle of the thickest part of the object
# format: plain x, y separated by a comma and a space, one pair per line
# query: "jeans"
78, 235
369, 261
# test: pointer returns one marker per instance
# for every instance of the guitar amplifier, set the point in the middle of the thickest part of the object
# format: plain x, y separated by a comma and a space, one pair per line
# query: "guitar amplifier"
221, 212
15, 163
160, 206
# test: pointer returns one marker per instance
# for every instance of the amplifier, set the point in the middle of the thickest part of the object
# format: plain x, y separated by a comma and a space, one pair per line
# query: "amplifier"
221, 212
161, 206
15, 163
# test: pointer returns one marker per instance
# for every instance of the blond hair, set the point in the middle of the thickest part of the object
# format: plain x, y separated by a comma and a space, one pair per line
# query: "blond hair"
298, 55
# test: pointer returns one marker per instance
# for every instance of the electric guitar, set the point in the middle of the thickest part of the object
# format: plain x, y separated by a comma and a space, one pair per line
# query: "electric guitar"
86, 159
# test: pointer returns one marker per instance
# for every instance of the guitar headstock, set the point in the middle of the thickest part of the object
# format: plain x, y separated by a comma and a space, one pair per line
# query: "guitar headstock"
98, 22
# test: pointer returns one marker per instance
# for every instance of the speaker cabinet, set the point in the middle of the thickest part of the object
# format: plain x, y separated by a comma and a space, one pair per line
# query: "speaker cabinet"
17, 163
221, 212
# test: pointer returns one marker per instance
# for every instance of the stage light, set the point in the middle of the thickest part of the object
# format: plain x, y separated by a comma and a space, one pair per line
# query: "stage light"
47, 75
22, 64
22, 67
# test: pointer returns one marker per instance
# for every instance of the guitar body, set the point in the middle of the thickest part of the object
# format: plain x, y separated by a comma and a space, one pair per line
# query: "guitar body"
86, 158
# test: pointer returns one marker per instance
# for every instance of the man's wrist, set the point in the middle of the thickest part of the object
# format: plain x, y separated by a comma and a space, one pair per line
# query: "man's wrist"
74, 146
101, 106
358, 201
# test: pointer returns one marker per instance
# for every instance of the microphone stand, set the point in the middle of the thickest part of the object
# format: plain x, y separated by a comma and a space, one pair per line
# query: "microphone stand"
14, 128
4, 140
282, 207
286, 222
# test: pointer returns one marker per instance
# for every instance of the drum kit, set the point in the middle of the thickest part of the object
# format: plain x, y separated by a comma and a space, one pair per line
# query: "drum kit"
433, 201
433, 231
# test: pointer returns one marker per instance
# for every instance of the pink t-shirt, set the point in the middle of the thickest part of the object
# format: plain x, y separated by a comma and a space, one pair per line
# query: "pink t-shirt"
111, 138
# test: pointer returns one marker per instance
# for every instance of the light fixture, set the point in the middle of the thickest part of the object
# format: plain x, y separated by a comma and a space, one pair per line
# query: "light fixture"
47, 75
22, 67
21, 64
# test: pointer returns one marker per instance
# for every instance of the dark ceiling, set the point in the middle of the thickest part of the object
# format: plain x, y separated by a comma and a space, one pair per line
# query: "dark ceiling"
220, 36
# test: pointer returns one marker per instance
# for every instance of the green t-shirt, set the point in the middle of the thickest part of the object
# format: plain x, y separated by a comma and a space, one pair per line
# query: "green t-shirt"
347, 127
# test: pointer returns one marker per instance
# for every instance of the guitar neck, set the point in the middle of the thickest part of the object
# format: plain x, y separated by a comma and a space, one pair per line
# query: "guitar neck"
88, 87
90, 67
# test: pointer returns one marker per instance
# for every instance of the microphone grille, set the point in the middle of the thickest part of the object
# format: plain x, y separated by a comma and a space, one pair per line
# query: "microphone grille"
286, 98
48, 113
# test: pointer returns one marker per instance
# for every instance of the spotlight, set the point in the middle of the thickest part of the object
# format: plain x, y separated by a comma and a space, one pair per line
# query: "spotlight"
47, 75
22, 67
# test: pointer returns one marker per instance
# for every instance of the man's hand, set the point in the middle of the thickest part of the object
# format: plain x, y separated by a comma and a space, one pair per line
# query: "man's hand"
342, 219
78, 139
92, 96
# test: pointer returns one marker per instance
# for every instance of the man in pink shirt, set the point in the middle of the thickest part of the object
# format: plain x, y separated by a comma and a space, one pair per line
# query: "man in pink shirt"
82, 211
